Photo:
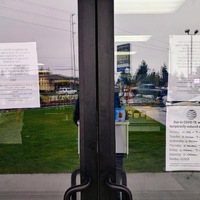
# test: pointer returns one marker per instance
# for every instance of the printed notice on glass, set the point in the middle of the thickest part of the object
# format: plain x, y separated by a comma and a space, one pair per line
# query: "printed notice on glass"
183, 138
19, 78
184, 68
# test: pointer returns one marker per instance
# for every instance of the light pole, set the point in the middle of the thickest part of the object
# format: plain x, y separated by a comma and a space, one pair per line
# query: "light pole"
191, 34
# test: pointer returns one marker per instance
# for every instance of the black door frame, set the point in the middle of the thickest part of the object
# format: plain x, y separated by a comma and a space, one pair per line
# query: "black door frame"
96, 65
96, 95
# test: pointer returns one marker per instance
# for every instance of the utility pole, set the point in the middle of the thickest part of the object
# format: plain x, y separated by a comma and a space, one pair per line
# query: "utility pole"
73, 47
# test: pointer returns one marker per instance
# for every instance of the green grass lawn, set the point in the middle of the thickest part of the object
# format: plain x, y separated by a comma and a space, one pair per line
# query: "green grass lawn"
146, 152
49, 145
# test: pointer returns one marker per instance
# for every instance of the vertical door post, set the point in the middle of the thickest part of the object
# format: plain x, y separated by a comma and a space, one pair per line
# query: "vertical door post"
96, 65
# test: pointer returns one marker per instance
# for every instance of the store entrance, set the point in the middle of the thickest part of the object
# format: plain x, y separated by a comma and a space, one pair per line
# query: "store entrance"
97, 127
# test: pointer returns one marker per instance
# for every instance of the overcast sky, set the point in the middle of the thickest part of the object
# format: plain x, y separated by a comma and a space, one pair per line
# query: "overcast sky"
48, 23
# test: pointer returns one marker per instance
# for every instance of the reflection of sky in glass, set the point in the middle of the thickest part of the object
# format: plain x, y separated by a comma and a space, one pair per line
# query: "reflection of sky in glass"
48, 24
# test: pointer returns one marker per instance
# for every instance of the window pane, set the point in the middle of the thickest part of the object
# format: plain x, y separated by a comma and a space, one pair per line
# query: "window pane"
38, 90
156, 71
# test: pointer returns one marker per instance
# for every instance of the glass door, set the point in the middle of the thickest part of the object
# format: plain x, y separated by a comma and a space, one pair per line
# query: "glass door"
39, 87
157, 77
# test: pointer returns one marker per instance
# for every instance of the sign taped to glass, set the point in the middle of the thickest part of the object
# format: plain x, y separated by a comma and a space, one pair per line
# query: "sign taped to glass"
183, 138
19, 78
184, 68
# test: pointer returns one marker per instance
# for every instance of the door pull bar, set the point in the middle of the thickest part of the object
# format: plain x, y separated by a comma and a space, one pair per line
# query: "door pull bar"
121, 188
76, 188
74, 175
121, 172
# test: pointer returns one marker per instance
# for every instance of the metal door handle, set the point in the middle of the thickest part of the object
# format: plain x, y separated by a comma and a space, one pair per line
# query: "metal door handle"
120, 188
121, 172
76, 188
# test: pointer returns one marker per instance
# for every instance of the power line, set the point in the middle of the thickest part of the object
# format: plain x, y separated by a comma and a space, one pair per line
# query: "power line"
61, 67
36, 24
150, 44
138, 34
52, 57
147, 46
44, 6
16, 10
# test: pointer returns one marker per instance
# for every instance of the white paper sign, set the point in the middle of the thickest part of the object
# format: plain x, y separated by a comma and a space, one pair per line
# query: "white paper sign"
183, 138
19, 78
184, 68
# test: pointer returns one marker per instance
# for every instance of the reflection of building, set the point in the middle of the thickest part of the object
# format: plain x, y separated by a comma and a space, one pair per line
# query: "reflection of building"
51, 82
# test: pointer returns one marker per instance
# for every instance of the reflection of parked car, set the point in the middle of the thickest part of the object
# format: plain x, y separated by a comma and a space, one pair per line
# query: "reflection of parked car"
66, 91
147, 86
147, 89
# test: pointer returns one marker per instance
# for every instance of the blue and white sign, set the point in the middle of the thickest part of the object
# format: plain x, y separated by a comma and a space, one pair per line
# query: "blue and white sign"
123, 58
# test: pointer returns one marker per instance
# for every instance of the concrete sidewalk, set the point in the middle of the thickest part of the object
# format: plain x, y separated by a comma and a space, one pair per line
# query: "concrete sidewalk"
144, 186
164, 186
34, 186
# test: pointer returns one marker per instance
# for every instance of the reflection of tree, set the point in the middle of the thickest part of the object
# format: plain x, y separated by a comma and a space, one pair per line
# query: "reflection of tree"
126, 78
141, 73
156, 78
144, 75
164, 74
153, 78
